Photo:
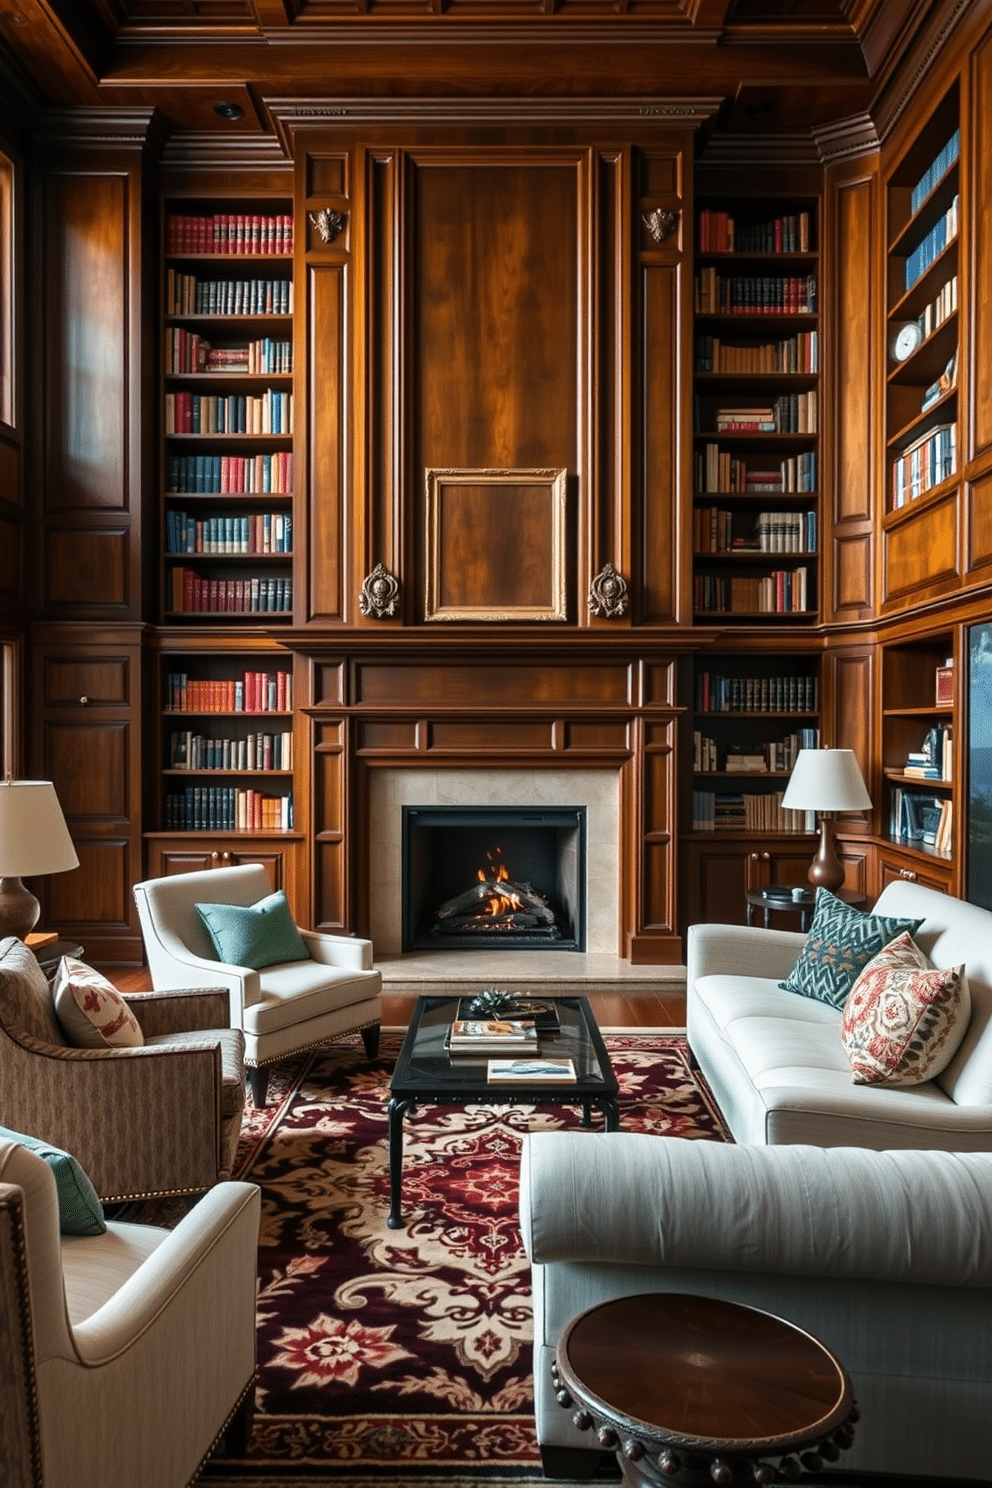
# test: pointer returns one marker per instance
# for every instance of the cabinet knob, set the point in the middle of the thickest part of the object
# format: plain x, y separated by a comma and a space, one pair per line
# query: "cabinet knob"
907, 873
215, 856
766, 857
754, 857
84, 701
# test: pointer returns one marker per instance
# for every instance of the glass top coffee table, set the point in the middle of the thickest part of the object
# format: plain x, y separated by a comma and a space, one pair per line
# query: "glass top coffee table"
425, 1073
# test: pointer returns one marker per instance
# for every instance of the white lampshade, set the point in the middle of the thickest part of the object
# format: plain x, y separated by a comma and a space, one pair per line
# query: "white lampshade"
33, 835
826, 780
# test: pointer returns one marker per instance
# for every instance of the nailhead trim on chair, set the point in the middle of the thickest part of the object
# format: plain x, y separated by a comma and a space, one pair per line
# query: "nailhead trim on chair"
306, 1048
220, 1435
12, 1212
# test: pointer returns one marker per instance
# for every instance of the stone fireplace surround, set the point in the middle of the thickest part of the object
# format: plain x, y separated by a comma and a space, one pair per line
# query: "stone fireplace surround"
596, 789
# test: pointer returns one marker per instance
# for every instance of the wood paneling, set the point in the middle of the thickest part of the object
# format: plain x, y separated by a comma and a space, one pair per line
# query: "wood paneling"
491, 686
978, 330
328, 401
920, 551
978, 506
847, 406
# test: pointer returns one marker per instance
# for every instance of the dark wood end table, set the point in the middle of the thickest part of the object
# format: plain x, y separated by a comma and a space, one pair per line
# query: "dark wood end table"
697, 1390
772, 900
425, 1073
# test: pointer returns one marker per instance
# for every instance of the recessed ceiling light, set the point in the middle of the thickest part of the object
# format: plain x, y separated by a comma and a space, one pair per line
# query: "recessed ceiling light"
228, 110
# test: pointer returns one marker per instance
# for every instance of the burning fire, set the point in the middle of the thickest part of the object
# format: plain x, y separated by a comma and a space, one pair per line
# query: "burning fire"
500, 902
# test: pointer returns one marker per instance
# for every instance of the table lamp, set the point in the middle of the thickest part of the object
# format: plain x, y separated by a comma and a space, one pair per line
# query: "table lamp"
825, 781
33, 839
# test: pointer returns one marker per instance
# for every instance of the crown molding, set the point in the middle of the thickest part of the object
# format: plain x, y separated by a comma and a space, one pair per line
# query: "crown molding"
747, 152
215, 151
845, 139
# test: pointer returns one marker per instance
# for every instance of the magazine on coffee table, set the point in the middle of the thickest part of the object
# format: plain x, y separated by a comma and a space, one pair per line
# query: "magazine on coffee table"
492, 1036
531, 1072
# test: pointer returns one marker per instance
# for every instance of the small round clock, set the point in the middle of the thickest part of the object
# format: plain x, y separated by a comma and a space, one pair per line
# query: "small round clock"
906, 339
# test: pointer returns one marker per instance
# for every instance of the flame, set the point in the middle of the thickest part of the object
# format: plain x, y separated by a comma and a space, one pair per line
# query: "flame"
498, 904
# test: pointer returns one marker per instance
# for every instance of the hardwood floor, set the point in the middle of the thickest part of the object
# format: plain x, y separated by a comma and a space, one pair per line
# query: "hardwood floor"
638, 1007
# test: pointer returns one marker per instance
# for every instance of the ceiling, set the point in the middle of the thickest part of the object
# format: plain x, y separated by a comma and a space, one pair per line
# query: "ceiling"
780, 65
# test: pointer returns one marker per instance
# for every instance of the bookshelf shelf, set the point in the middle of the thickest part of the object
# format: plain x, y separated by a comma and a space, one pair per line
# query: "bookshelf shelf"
756, 412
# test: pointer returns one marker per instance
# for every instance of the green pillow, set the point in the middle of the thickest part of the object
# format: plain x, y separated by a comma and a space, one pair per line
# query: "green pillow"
840, 944
255, 935
80, 1211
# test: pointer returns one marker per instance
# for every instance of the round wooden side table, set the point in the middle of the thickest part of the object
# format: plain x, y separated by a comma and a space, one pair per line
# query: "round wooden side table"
696, 1390
778, 900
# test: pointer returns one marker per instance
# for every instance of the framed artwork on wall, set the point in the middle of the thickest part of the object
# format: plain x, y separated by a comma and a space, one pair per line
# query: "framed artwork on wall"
495, 545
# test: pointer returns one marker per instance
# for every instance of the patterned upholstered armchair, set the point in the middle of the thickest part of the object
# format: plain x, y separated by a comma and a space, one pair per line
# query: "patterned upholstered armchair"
160, 1119
126, 1355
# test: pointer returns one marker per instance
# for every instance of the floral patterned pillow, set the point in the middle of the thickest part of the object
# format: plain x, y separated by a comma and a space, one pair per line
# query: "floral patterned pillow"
904, 1019
92, 1012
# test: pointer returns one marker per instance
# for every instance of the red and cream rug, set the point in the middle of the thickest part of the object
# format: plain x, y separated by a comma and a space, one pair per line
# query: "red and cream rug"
404, 1355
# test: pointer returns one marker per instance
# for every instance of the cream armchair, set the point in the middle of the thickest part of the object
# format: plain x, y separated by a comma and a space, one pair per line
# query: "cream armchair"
125, 1356
282, 1009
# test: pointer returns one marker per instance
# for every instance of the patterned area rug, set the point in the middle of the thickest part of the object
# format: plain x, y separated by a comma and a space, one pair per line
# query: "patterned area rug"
403, 1355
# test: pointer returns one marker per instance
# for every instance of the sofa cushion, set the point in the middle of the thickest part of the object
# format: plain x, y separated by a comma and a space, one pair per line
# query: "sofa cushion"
904, 1018
80, 1211
92, 1012
25, 996
254, 935
841, 942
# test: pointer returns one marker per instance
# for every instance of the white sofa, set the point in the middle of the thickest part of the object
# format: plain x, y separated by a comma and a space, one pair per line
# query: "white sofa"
775, 1061
886, 1255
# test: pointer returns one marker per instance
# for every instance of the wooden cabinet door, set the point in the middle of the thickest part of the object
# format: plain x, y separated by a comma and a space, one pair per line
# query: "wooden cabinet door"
168, 856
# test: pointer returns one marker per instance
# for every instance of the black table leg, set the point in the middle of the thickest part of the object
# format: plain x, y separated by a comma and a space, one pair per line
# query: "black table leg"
397, 1109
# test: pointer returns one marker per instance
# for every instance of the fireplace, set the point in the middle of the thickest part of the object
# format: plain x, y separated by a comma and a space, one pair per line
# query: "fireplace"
479, 877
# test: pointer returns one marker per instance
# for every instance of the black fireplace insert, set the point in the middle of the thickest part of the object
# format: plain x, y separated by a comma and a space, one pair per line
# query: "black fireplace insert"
479, 877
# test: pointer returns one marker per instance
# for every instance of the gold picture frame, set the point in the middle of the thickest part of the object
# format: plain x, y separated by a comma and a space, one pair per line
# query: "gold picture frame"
495, 545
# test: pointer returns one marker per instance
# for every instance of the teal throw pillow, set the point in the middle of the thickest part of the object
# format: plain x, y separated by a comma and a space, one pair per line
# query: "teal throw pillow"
840, 944
255, 935
80, 1211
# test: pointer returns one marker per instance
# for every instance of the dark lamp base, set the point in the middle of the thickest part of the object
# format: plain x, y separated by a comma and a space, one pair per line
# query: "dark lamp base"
19, 909
826, 870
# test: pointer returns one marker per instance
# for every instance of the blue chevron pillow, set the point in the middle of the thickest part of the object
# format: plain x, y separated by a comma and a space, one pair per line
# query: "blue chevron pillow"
840, 944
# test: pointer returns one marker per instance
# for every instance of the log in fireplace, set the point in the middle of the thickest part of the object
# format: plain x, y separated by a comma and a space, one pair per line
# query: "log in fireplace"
479, 877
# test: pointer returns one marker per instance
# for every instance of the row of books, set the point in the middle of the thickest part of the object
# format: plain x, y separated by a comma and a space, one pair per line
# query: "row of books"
264, 233
719, 232
941, 307
270, 412
919, 818
188, 352
717, 530
754, 294
935, 171
783, 592
188, 294
795, 354
927, 462
925, 253
716, 471
192, 594
792, 413
714, 811
255, 692
787, 693
256, 532
771, 757
934, 760
189, 751
226, 808
230, 475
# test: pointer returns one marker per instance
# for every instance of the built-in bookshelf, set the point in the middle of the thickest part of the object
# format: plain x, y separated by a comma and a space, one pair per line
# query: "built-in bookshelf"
919, 723
227, 744
751, 715
227, 412
756, 538
923, 218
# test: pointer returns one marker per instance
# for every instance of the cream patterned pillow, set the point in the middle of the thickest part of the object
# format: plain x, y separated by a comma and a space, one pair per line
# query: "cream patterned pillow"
92, 1012
904, 1019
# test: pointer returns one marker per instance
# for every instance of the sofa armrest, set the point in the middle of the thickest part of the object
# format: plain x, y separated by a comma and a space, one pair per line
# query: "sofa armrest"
183, 1010
675, 1202
740, 950
339, 950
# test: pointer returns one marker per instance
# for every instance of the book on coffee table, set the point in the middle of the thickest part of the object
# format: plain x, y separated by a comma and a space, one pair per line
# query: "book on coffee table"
492, 1036
531, 1072
541, 1011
